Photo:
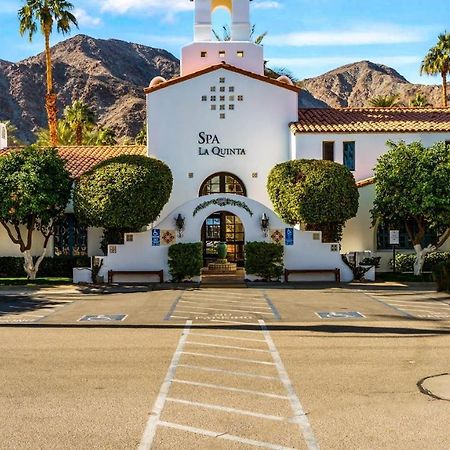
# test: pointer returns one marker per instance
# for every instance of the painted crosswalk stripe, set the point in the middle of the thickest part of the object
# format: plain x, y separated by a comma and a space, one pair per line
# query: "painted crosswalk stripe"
249, 349
296, 406
230, 358
152, 422
227, 337
223, 435
231, 389
229, 372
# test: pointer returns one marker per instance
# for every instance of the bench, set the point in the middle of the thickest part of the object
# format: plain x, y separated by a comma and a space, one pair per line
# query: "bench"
336, 272
111, 274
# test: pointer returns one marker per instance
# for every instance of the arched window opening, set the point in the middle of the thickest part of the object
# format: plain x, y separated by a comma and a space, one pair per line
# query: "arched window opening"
223, 183
221, 19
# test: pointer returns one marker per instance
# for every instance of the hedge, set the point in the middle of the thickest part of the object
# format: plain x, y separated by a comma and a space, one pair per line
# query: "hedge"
441, 275
60, 266
264, 260
405, 262
185, 261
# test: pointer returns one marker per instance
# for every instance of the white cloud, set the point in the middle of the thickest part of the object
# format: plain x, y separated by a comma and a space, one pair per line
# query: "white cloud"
84, 19
168, 7
371, 34
267, 5
335, 61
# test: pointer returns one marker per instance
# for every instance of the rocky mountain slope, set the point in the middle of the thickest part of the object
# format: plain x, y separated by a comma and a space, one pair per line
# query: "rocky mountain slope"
354, 84
110, 75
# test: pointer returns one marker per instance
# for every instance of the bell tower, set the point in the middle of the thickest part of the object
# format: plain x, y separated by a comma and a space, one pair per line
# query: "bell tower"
206, 51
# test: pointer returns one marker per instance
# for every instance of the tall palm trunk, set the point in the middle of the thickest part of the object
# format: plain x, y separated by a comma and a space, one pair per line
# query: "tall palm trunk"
444, 90
50, 98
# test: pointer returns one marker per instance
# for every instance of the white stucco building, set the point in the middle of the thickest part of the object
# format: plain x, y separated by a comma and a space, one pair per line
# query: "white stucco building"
3, 136
221, 126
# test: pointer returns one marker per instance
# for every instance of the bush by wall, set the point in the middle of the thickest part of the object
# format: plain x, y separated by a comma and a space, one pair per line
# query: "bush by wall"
185, 261
405, 262
264, 260
441, 275
60, 266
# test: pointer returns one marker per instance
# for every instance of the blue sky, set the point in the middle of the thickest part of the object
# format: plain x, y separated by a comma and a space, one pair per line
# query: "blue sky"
309, 37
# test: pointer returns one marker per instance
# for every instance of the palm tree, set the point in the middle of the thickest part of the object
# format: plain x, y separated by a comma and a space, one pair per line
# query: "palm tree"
47, 13
79, 117
437, 62
66, 136
227, 35
419, 101
141, 137
385, 101
106, 136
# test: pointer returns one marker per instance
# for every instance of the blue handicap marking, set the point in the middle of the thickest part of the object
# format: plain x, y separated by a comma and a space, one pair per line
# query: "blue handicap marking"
103, 318
341, 315
289, 236
156, 237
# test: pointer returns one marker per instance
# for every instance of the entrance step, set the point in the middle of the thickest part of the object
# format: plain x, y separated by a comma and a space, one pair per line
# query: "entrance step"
226, 279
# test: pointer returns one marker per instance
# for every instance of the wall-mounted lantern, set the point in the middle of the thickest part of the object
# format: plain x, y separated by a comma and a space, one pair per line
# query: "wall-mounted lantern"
265, 224
179, 224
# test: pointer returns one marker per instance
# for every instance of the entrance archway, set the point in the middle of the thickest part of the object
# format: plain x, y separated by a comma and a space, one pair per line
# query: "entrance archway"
223, 226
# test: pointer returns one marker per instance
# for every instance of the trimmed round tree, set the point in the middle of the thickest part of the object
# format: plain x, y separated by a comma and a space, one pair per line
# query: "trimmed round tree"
122, 194
321, 195
34, 191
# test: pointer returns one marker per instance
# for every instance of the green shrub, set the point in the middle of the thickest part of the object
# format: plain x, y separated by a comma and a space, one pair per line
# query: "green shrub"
441, 275
60, 266
320, 194
264, 260
405, 262
185, 261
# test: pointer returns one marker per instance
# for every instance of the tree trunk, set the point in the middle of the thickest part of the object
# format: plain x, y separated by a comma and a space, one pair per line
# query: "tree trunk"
31, 268
421, 254
444, 90
50, 98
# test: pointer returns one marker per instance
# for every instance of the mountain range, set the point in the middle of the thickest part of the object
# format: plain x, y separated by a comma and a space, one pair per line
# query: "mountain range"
110, 75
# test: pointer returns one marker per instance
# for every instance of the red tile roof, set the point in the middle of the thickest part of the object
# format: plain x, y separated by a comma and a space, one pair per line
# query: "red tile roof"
372, 120
217, 67
79, 159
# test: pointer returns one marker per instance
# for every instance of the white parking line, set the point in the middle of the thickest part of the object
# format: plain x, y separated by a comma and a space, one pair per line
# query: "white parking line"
227, 409
225, 436
237, 323
228, 337
216, 300
230, 358
184, 310
228, 346
230, 372
179, 317
296, 406
228, 309
152, 422
231, 389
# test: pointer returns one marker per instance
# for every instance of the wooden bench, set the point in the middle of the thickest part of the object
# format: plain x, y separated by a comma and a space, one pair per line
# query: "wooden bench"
111, 274
336, 272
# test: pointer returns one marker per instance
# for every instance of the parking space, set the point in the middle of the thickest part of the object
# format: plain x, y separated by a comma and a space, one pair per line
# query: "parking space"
416, 304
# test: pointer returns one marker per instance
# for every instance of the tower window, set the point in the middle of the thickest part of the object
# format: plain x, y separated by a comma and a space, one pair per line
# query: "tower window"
221, 80
240, 98
240, 54
222, 54
222, 107
213, 89
222, 88
204, 98
203, 54
213, 98
222, 115
231, 98
231, 89
213, 107
231, 106
222, 98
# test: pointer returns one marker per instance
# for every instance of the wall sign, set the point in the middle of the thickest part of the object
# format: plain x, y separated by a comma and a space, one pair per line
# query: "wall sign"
289, 236
222, 202
209, 145
156, 237
394, 237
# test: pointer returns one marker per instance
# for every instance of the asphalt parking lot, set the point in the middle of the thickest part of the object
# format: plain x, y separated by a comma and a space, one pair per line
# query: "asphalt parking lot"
317, 367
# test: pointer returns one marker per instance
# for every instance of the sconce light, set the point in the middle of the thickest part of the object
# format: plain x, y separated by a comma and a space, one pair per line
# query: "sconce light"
265, 224
179, 224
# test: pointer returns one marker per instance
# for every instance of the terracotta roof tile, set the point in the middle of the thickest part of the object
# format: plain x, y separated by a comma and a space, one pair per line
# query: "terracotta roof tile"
79, 159
372, 120
180, 79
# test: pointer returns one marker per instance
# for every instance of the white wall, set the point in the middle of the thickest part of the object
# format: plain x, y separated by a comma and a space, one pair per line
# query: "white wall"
368, 146
8, 248
306, 253
177, 114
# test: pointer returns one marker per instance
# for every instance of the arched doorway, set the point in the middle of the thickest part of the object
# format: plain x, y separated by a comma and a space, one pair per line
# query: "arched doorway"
226, 227
223, 183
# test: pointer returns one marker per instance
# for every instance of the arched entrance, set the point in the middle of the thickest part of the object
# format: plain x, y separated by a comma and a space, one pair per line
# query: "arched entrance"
226, 227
